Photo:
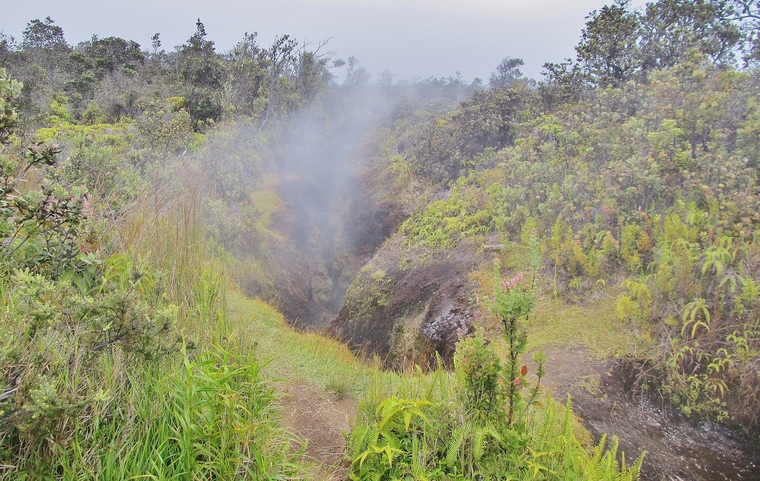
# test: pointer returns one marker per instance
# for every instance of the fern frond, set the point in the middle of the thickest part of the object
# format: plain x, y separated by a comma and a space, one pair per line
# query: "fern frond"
455, 444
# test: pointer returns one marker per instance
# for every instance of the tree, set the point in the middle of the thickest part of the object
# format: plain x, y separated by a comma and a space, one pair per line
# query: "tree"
507, 72
619, 44
746, 15
199, 64
608, 50
280, 61
565, 82
92, 61
671, 28
312, 74
247, 73
203, 72
43, 35
155, 42
355, 75
112, 53
44, 44
7, 48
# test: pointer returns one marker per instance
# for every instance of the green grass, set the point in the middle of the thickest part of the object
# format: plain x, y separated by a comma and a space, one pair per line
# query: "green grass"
593, 325
107, 411
213, 418
210, 411
296, 355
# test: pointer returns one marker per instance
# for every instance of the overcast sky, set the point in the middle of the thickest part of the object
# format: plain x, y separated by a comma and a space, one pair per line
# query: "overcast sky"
412, 38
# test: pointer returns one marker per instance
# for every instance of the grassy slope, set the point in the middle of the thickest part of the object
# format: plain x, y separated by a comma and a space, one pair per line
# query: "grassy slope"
593, 325
296, 356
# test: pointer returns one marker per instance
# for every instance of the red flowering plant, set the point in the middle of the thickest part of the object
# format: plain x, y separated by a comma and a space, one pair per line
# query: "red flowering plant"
491, 384
513, 306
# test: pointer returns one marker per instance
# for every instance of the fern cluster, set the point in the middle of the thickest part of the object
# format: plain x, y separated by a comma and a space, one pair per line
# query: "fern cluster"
492, 427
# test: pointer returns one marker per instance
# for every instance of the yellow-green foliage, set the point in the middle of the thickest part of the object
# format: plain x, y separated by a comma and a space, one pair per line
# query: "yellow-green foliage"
100, 157
488, 423
446, 222
594, 325
116, 387
267, 203
58, 110
662, 195
68, 129
117, 358
177, 103
301, 356
94, 114
423, 429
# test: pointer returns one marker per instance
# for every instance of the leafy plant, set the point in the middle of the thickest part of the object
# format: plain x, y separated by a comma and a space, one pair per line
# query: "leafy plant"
494, 427
395, 437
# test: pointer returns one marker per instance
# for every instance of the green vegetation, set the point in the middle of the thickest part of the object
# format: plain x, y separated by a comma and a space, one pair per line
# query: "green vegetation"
117, 361
484, 421
636, 165
120, 356
660, 202
144, 195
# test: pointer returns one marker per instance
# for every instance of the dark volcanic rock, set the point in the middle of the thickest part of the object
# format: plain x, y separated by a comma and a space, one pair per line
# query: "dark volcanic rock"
407, 304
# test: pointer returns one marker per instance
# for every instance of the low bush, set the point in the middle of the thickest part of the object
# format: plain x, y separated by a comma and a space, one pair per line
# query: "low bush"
489, 424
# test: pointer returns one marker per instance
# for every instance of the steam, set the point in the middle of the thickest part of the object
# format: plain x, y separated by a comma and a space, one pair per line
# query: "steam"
318, 239
320, 182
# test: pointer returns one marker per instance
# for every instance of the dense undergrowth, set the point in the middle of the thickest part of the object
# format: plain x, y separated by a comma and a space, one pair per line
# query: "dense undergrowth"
487, 420
120, 359
134, 185
651, 188
117, 358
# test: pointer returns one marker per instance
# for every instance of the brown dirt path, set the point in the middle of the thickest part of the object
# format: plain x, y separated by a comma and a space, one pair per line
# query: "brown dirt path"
320, 418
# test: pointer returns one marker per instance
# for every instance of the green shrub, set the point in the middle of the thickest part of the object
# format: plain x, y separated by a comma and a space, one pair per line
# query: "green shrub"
494, 427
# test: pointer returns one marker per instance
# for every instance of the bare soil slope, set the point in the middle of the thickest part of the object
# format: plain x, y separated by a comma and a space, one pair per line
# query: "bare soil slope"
675, 448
